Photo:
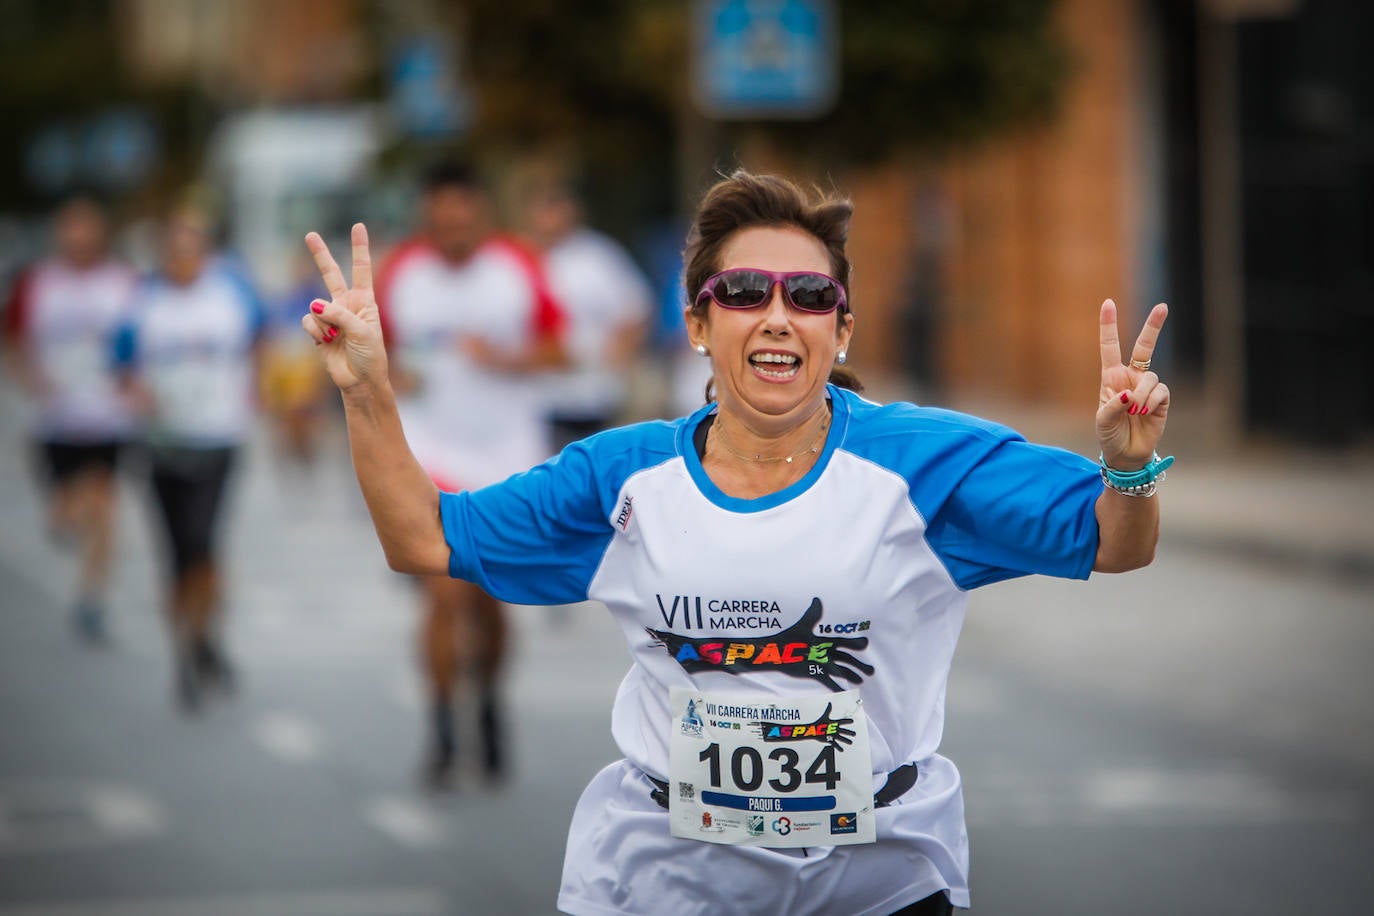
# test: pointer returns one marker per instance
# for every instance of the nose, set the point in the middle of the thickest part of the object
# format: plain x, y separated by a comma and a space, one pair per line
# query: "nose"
776, 312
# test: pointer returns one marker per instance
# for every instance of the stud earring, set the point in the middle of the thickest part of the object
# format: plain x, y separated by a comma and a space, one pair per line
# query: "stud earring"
841, 357
701, 349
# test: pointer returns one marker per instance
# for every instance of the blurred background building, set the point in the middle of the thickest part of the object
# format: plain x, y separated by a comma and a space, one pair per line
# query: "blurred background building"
1012, 163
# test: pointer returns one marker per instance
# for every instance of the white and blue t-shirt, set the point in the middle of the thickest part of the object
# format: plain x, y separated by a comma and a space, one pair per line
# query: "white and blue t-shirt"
854, 577
192, 346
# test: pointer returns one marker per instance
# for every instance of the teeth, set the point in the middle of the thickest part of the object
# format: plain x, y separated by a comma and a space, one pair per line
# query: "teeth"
785, 358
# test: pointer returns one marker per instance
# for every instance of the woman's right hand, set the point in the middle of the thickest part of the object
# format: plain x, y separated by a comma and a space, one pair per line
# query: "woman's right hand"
347, 329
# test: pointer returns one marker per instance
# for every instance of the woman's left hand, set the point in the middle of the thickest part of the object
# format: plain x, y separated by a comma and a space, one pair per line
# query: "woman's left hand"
1133, 402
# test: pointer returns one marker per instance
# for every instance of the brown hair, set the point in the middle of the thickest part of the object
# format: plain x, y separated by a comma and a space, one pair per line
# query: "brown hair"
744, 200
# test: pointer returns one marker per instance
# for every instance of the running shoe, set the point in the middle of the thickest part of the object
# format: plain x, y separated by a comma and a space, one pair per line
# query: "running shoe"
439, 766
88, 619
212, 666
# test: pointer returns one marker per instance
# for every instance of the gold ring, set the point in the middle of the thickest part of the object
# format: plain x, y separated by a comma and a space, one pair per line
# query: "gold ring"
1142, 364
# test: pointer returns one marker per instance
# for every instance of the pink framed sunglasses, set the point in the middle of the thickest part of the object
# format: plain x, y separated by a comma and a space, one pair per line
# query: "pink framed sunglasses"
749, 287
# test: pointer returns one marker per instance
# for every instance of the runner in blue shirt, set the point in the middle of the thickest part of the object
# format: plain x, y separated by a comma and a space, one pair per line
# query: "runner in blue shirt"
790, 566
189, 358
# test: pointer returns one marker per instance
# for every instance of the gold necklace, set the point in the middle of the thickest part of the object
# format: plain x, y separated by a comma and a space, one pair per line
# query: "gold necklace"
811, 449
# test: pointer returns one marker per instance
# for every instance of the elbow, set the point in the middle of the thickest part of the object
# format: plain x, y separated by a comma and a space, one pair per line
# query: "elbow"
401, 558
417, 558
406, 562
399, 561
1108, 562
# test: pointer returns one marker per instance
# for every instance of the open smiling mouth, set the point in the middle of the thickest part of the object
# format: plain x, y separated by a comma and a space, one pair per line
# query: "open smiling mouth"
776, 366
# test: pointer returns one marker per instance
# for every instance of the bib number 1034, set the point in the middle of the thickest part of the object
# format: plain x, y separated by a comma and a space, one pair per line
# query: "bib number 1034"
779, 772
747, 769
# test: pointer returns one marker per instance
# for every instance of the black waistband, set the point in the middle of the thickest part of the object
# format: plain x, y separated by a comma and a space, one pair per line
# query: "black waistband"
898, 782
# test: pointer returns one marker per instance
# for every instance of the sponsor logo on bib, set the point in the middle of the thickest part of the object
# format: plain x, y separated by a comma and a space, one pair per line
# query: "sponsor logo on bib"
844, 823
691, 722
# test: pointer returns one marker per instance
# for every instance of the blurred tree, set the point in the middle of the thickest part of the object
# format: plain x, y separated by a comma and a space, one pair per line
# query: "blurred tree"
927, 74
612, 77
599, 84
60, 64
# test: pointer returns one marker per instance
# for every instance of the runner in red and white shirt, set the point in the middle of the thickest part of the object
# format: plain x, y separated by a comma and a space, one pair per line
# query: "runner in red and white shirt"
472, 325
59, 329
607, 299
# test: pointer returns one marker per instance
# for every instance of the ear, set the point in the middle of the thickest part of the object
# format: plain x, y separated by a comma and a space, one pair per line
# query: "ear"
696, 327
844, 332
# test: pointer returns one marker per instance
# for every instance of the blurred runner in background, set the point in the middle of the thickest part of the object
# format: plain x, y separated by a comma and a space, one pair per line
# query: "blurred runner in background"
607, 300
60, 324
472, 323
189, 355
292, 383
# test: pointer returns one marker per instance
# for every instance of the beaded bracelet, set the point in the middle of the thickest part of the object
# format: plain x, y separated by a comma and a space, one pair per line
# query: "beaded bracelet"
1141, 483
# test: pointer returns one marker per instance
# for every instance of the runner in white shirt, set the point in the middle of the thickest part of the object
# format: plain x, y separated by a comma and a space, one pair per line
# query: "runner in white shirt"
790, 567
471, 324
60, 326
189, 354
607, 300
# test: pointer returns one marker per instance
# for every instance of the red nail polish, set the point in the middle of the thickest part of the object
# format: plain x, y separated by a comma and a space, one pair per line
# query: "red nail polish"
1145, 411
317, 307
1131, 412
1125, 397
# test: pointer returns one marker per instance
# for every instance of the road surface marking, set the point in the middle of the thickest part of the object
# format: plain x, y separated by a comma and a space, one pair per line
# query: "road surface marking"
407, 821
52, 817
1143, 795
401, 901
288, 737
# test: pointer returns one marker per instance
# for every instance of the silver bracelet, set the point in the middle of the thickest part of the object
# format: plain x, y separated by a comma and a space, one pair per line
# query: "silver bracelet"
1139, 484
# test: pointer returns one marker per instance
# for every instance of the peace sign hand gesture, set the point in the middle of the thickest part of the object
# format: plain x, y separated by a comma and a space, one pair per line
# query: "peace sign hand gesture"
1133, 402
347, 329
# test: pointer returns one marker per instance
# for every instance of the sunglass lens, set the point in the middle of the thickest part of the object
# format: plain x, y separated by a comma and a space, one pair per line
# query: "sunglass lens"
813, 292
741, 289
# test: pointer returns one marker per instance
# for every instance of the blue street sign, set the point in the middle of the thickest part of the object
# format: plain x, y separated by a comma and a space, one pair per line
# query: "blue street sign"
428, 98
765, 58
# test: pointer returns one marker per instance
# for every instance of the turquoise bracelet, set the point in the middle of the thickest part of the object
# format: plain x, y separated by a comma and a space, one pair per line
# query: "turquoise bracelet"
1143, 482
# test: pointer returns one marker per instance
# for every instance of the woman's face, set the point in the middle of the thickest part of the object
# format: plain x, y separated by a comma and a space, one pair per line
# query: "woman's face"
186, 246
769, 392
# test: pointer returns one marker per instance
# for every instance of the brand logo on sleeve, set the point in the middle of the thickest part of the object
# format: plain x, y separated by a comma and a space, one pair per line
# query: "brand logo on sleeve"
622, 520
796, 651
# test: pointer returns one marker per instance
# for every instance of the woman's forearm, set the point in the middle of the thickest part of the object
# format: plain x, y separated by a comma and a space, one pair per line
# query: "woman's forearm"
1127, 531
400, 497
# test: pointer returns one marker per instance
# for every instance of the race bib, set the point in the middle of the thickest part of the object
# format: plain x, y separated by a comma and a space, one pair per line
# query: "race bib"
777, 772
78, 363
194, 396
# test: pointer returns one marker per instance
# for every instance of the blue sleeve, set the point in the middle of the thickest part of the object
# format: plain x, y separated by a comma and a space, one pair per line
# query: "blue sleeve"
235, 270
995, 505
124, 347
1022, 509
538, 538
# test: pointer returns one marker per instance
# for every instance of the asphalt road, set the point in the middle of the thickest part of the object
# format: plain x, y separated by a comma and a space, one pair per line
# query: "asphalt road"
1193, 738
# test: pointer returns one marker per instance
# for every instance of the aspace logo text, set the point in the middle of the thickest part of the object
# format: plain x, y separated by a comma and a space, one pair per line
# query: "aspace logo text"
823, 729
796, 651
